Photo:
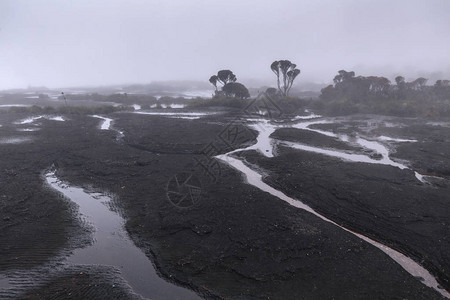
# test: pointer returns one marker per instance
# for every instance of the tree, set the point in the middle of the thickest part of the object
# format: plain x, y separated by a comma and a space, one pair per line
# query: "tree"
226, 76
356, 89
288, 72
442, 83
442, 89
379, 85
235, 90
418, 84
64, 96
400, 81
223, 77
348, 86
327, 93
230, 88
213, 79
343, 76
351, 93
401, 86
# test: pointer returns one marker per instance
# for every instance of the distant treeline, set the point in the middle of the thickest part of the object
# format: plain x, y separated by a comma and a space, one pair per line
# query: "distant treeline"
373, 94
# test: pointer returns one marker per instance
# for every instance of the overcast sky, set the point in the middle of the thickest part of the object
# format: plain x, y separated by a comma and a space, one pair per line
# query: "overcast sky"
60, 43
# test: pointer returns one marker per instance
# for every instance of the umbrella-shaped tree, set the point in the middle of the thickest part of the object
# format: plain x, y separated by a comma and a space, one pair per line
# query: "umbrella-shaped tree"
286, 73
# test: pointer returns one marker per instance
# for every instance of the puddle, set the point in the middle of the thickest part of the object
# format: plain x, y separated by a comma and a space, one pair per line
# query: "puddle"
199, 93
173, 105
15, 140
308, 117
28, 129
113, 247
14, 105
58, 118
106, 122
264, 143
442, 124
177, 106
177, 115
33, 119
197, 114
185, 117
28, 120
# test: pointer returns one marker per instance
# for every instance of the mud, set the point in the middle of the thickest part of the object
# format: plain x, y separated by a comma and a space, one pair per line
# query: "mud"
382, 202
83, 283
236, 241
313, 139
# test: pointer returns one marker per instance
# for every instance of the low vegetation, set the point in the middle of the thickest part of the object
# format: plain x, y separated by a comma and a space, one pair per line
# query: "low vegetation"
220, 101
352, 94
349, 94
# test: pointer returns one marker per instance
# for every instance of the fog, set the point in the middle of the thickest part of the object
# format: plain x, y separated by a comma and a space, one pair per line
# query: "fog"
74, 43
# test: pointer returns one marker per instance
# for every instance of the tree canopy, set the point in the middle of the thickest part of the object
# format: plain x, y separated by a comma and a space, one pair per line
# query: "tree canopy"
226, 76
213, 79
286, 73
230, 88
235, 90
361, 88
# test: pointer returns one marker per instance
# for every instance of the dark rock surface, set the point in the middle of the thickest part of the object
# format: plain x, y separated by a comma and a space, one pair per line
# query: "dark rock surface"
386, 203
83, 283
236, 241
312, 138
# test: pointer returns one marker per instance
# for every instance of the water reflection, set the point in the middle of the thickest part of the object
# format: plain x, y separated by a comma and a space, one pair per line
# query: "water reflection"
113, 247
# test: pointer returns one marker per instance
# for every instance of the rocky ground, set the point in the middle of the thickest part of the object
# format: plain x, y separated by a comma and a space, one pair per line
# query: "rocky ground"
235, 242
82, 282
387, 203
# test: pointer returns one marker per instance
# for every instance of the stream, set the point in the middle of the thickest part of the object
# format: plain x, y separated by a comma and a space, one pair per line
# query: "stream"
265, 145
177, 115
113, 247
106, 124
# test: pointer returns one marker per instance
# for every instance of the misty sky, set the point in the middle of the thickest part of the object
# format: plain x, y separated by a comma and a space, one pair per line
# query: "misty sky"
60, 43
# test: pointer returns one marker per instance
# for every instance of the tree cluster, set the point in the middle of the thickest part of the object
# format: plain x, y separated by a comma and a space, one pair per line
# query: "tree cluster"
285, 71
230, 88
359, 89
